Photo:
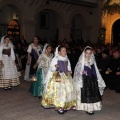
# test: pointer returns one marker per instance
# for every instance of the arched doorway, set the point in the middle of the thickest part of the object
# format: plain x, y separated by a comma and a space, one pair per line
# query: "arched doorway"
46, 26
78, 23
9, 16
14, 28
116, 32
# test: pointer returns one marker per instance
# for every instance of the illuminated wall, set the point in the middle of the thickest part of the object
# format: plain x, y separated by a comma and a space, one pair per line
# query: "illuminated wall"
110, 16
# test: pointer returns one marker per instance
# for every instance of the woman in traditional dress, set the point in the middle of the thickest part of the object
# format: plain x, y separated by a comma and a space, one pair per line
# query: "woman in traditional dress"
43, 64
34, 50
9, 77
89, 83
59, 85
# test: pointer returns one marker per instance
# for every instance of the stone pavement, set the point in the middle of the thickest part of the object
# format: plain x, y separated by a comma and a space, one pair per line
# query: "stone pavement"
18, 104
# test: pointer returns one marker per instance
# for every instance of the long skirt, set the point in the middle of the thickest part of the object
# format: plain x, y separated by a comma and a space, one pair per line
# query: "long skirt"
29, 70
89, 98
60, 94
8, 73
37, 87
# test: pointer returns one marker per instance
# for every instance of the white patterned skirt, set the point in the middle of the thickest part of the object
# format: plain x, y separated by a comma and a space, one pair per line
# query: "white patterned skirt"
8, 73
88, 107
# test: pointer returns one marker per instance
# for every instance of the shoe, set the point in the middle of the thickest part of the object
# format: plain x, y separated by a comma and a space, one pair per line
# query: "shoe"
5, 88
60, 111
9, 88
90, 113
39, 97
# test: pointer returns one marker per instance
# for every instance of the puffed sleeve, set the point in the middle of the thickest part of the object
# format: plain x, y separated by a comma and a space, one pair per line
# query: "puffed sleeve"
1, 48
69, 66
29, 49
12, 54
53, 63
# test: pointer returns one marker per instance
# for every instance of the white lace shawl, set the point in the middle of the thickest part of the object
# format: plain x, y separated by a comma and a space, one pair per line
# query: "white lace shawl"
79, 71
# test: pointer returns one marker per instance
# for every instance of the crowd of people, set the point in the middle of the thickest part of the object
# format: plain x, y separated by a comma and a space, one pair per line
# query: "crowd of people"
66, 75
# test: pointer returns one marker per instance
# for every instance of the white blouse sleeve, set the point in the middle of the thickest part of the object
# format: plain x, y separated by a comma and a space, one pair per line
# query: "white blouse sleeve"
53, 63
29, 49
69, 66
39, 59
12, 54
1, 49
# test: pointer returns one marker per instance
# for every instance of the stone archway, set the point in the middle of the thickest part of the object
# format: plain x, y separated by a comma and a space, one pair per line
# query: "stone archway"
47, 26
77, 29
18, 15
83, 27
14, 28
58, 13
107, 22
116, 32
15, 5
62, 25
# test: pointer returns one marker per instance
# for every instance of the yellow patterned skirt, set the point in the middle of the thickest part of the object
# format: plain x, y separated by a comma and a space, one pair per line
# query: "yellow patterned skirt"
60, 94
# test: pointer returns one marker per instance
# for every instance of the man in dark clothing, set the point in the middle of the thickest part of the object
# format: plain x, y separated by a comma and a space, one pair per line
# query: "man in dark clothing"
23, 42
113, 71
103, 65
21, 55
98, 54
73, 57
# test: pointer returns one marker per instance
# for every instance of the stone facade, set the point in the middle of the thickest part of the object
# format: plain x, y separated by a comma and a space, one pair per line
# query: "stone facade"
64, 13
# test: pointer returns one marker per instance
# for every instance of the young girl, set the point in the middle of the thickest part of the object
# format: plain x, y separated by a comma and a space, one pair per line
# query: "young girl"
59, 91
34, 50
43, 64
9, 71
89, 83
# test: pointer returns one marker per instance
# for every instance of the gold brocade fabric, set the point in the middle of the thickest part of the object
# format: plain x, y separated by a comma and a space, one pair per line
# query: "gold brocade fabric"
60, 94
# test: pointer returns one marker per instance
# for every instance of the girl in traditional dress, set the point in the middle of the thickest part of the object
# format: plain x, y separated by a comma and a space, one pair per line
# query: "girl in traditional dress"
9, 77
43, 64
89, 83
59, 90
34, 50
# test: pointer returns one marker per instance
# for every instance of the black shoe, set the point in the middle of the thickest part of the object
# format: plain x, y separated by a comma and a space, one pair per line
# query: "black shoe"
40, 97
90, 113
9, 88
60, 111
5, 88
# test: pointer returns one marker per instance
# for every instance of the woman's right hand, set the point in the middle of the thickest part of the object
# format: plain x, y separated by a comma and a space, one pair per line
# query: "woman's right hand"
56, 66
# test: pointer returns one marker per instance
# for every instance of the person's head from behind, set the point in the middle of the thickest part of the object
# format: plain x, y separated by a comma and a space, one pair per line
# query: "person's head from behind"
19, 46
88, 52
105, 54
111, 52
62, 51
99, 50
